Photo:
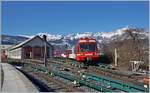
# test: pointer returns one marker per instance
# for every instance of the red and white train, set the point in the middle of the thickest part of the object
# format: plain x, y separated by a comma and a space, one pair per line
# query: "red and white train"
86, 50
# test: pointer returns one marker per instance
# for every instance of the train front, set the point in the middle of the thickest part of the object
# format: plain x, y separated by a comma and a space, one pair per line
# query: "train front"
86, 50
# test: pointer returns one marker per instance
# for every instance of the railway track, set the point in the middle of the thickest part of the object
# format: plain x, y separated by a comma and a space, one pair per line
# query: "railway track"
77, 73
58, 84
55, 84
107, 73
72, 65
102, 71
72, 77
117, 76
97, 84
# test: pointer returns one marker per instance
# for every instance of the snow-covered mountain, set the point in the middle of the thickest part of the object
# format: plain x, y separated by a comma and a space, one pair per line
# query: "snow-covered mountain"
71, 39
11, 40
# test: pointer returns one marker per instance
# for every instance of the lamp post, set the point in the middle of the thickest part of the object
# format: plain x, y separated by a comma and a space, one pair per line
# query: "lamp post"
45, 50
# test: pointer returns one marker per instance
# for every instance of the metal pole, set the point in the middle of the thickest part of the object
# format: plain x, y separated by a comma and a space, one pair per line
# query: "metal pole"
115, 57
66, 52
45, 50
132, 64
45, 54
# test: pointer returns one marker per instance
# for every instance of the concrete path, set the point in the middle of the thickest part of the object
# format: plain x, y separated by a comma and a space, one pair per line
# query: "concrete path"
14, 81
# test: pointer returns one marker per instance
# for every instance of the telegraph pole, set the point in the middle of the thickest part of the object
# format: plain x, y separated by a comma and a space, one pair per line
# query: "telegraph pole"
45, 50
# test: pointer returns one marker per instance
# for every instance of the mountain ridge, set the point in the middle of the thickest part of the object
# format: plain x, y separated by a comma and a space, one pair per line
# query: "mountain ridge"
71, 39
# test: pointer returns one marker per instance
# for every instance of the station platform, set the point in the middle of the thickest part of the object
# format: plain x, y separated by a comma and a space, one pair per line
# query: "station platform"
13, 80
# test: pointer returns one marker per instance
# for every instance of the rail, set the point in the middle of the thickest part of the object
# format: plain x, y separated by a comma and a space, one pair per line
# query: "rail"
74, 78
116, 83
91, 76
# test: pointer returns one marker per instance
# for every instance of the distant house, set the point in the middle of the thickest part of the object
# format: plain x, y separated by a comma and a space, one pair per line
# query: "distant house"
32, 48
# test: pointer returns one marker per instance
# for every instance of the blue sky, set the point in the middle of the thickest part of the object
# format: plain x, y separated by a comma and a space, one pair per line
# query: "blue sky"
29, 18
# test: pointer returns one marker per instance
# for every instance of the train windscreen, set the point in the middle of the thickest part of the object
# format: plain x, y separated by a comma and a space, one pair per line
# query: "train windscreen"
88, 47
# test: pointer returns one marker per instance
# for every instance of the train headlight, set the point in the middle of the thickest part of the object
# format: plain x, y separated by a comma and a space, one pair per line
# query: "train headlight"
97, 54
80, 54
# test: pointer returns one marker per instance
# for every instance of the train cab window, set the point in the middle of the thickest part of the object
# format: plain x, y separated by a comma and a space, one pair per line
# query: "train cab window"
88, 47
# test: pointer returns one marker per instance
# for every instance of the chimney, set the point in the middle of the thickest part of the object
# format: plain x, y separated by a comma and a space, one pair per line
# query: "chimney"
44, 37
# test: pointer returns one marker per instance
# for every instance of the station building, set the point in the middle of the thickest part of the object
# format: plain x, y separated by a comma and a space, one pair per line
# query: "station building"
33, 48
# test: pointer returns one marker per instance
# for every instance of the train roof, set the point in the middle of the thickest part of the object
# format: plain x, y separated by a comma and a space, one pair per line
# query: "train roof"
87, 38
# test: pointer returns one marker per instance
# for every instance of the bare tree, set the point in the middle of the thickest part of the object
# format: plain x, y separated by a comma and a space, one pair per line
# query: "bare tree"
129, 49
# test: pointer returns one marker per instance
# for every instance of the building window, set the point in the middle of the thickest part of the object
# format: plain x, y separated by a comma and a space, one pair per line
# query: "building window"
28, 52
37, 52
